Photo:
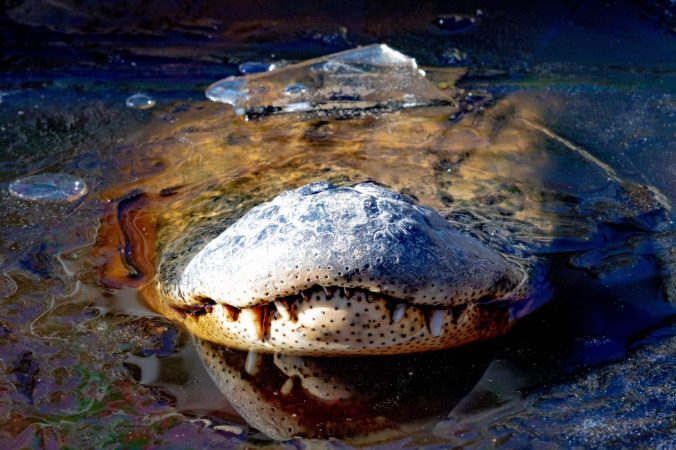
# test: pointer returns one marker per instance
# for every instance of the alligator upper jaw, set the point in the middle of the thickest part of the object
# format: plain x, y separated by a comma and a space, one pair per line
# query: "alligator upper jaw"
508, 288
363, 237
342, 321
286, 308
328, 270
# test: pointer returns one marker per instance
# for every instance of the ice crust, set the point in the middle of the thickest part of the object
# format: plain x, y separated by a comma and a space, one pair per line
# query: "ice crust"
362, 80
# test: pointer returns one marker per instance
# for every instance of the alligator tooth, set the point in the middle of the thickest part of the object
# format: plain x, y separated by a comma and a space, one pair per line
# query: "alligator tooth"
283, 309
263, 313
257, 318
231, 312
193, 310
348, 293
328, 292
302, 294
437, 321
287, 386
181, 312
456, 312
252, 363
248, 319
398, 312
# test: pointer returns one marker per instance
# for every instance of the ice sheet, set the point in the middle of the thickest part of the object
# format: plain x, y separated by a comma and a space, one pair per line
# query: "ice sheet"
368, 79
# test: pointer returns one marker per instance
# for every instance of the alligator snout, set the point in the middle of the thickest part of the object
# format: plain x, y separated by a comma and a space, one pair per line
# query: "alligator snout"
328, 270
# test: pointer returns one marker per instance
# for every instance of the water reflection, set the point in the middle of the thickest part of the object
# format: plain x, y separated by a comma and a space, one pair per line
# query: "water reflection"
344, 397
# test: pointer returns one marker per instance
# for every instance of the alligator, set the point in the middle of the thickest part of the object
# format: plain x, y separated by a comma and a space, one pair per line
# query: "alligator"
352, 263
350, 270
401, 229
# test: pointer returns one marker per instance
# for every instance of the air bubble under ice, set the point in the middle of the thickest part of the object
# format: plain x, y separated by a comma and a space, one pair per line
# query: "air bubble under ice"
140, 101
49, 187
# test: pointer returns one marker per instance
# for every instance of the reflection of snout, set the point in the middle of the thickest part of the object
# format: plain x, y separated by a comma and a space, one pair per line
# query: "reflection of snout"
342, 397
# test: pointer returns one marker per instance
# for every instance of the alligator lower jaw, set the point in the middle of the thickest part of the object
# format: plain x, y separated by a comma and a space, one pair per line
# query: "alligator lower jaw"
335, 321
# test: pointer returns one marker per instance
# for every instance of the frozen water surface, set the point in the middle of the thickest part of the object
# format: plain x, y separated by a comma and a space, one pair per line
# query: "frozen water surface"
366, 79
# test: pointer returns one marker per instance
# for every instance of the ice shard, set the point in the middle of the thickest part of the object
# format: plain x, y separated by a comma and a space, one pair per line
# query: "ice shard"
364, 80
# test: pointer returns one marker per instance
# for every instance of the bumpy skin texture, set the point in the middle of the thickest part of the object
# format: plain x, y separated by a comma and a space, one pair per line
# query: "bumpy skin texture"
362, 270
365, 237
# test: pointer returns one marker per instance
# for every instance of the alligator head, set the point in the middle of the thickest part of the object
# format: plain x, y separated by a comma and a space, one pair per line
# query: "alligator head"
326, 270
